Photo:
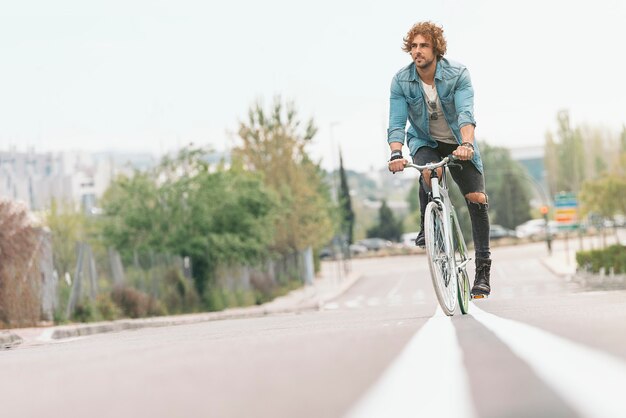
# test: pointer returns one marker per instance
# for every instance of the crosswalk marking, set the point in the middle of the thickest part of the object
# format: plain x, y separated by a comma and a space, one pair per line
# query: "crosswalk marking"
392, 299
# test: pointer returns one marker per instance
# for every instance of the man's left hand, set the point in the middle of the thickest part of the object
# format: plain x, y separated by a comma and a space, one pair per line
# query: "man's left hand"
463, 152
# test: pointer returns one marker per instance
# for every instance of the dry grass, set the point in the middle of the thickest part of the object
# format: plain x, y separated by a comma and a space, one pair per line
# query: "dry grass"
19, 267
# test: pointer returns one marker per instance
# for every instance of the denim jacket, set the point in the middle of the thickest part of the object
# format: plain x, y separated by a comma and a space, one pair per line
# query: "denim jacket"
456, 94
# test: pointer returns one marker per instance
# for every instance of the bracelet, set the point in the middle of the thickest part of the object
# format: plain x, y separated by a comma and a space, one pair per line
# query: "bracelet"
468, 145
395, 155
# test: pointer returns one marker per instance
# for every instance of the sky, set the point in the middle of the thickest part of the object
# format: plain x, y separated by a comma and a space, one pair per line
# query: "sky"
153, 76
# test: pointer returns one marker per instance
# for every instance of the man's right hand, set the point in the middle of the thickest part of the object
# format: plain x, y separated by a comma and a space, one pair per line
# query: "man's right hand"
397, 165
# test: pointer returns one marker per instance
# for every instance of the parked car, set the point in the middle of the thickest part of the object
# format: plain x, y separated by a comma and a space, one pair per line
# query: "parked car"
535, 228
357, 249
408, 239
498, 232
375, 244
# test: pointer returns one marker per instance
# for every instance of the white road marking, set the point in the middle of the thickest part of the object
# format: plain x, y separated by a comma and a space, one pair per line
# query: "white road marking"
395, 289
427, 379
591, 381
354, 303
396, 300
373, 302
331, 306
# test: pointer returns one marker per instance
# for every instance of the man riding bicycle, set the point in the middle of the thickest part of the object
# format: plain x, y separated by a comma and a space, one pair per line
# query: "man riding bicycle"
436, 96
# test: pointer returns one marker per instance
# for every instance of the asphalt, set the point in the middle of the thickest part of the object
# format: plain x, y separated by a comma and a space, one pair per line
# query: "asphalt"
330, 284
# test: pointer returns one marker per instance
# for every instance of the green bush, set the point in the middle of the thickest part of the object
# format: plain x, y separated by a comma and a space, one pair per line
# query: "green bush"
180, 295
107, 308
84, 312
613, 257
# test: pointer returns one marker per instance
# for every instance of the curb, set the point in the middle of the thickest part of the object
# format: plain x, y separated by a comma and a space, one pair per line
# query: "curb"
347, 284
9, 340
561, 272
73, 331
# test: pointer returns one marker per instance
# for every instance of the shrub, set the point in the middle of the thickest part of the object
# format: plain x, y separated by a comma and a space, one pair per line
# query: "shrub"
180, 296
136, 304
84, 312
19, 266
610, 258
107, 309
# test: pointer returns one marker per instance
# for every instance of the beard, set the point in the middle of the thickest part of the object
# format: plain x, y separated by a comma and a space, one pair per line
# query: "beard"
425, 63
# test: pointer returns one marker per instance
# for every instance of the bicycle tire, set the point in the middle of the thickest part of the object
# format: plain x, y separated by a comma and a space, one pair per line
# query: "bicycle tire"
460, 256
437, 250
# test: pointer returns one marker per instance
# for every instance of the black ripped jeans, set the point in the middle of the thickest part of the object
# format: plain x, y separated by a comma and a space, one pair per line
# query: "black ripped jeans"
469, 180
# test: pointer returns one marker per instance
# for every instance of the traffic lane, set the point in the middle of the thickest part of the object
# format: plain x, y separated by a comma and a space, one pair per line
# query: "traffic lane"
390, 282
308, 365
523, 289
595, 319
501, 384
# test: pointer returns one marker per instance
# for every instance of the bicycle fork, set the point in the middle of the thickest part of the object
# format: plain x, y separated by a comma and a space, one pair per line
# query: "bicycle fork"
447, 225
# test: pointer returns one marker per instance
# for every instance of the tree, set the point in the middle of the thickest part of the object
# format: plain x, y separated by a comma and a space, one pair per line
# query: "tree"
182, 208
604, 196
345, 203
67, 228
273, 145
388, 227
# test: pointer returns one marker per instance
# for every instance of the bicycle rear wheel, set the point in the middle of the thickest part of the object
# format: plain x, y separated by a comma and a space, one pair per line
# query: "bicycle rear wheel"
437, 250
460, 261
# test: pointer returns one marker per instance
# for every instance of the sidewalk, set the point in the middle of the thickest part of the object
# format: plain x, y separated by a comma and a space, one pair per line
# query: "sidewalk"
324, 288
562, 261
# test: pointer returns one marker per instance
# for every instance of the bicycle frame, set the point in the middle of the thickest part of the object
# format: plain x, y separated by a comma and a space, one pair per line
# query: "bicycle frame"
439, 195
452, 239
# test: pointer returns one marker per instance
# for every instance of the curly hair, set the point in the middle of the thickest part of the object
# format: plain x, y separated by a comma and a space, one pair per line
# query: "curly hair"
431, 32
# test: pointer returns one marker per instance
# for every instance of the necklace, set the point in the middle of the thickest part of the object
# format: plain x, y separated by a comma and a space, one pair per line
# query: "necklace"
431, 92
431, 96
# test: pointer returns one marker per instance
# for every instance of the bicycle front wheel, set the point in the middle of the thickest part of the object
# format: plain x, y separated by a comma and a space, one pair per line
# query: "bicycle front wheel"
438, 251
460, 262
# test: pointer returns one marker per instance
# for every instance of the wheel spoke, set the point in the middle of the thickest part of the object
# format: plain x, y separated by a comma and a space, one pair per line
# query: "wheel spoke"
441, 271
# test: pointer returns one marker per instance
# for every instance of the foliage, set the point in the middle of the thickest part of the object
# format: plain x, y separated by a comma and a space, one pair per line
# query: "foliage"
183, 208
577, 154
565, 157
387, 227
604, 196
107, 309
345, 204
179, 295
273, 144
611, 258
508, 187
19, 266
136, 304
67, 227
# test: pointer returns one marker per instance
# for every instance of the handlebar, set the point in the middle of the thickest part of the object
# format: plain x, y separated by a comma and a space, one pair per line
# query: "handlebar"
431, 166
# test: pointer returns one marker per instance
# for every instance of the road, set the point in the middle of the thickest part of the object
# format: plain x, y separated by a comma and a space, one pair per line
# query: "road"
539, 347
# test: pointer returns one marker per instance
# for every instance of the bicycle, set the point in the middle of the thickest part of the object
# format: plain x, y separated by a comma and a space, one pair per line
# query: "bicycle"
445, 246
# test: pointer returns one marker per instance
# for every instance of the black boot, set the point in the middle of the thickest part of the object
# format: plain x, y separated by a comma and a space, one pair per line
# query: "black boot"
481, 286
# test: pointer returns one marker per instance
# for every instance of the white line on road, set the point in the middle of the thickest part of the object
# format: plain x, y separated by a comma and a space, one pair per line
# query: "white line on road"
589, 380
427, 379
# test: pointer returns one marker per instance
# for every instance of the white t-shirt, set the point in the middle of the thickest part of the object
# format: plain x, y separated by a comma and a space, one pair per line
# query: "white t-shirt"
439, 128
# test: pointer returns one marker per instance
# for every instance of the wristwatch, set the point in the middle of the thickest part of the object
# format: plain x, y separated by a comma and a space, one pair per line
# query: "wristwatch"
395, 155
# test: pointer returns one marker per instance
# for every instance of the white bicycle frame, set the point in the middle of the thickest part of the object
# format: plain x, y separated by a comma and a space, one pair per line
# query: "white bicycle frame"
441, 197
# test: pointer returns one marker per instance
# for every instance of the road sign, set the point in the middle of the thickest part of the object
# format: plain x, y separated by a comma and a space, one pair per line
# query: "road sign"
566, 210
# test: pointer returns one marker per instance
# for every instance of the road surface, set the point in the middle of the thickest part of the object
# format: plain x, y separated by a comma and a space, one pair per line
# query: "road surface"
541, 346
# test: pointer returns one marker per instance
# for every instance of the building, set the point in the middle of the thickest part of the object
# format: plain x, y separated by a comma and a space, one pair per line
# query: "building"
78, 178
